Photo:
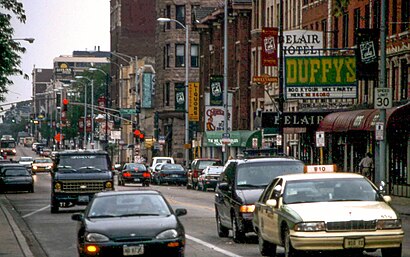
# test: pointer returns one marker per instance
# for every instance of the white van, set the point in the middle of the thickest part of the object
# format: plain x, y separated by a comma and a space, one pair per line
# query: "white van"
162, 159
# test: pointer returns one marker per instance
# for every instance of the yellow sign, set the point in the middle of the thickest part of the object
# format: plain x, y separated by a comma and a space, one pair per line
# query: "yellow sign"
265, 79
193, 101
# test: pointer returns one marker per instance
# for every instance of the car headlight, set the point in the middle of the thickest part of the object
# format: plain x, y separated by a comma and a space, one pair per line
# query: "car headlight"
389, 224
34, 167
167, 234
310, 226
96, 237
48, 167
108, 185
57, 187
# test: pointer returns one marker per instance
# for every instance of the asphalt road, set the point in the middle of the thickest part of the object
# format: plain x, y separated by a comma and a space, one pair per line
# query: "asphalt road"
54, 235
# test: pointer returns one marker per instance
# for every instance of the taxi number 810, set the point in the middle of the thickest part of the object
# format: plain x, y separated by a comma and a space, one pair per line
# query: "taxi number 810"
133, 250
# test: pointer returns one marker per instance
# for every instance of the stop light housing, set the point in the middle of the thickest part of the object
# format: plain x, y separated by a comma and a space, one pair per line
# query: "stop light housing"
139, 134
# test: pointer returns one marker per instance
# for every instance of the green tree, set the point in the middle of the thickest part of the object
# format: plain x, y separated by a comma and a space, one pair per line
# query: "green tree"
340, 7
10, 50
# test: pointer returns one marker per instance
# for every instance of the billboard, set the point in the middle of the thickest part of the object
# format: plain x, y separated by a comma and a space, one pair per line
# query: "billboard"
321, 77
367, 53
193, 101
269, 46
302, 42
214, 118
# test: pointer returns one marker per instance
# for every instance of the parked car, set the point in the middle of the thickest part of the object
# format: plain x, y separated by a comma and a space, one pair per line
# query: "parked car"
126, 223
327, 212
160, 159
170, 174
41, 164
134, 173
16, 178
209, 177
196, 168
240, 185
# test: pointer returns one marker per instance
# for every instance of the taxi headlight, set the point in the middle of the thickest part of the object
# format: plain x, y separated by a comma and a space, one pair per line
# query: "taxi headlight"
167, 234
389, 224
310, 226
96, 237
57, 187
247, 208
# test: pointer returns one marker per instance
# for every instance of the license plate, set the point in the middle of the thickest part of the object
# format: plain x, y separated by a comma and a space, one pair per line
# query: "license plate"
353, 242
83, 198
133, 250
136, 180
175, 176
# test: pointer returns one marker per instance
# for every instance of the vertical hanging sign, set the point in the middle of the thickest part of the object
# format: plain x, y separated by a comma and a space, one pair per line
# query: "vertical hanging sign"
193, 101
269, 46
146, 90
216, 89
179, 97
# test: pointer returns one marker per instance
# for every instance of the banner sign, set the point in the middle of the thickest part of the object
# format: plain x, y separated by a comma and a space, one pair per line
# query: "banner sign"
269, 46
216, 89
321, 77
179, 97
214, 118
193, 101
293, 119
302, 42
367, 53
147, 80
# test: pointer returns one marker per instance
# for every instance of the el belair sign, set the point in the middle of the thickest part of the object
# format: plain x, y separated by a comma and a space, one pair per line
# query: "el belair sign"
321, 77
293, 119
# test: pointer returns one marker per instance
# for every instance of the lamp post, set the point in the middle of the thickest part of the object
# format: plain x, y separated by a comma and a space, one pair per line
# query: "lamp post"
85, 111
29, 39
106, 100
225, 92
186, 27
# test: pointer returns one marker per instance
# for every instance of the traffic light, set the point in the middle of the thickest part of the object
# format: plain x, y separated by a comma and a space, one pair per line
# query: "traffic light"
65, 104
64, 111
137, 107
139, 134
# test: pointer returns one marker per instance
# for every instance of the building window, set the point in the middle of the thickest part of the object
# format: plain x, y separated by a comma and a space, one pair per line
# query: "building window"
194, 10
394, 18
168, 15
166, 93
366, 16
345, 29
179, 55
336, 33
194, 55
404, 80
405, 16
167, 55
180, 15
356, 21
376, 14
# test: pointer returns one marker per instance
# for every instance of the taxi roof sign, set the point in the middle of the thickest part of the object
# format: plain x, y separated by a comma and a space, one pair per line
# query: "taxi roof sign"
320, 168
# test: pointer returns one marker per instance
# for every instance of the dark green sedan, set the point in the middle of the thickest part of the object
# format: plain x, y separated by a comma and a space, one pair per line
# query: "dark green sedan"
16, 178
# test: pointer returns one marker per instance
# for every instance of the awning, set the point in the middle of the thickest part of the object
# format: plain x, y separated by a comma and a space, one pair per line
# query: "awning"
360, 120
239, 138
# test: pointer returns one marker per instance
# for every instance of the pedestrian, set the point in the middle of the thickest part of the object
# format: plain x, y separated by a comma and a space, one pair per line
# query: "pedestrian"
366, 166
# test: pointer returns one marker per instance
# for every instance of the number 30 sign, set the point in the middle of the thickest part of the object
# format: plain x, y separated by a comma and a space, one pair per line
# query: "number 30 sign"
383, 98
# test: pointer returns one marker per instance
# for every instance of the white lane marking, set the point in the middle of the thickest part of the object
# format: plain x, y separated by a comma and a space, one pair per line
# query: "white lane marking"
34, 212
213, 247
17, 233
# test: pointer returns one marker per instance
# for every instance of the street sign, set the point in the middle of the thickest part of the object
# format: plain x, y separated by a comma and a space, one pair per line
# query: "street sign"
383, 98
161, 140
226, 138
127, 111
320, 139
379, 129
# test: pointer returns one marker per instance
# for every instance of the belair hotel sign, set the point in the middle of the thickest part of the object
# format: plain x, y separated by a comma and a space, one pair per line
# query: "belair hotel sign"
320, 77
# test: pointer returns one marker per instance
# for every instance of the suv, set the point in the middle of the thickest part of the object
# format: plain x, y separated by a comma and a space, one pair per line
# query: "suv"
196, 168
240, 186
77, 175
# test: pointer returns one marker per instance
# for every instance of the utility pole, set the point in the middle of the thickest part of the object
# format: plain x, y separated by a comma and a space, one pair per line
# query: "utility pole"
225, 92
281, 82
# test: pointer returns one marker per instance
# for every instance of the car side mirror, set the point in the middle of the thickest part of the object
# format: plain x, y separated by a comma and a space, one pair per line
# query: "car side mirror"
77, 217
223, 186
272, 203
180, 212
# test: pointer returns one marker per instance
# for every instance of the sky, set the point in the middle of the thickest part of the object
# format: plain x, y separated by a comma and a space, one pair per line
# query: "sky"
59, 28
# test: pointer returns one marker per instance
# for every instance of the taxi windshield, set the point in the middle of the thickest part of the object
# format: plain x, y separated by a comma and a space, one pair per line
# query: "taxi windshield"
328, 190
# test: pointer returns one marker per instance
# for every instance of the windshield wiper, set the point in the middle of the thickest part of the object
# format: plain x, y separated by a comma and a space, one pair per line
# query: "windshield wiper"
138, 214
102, 216
252, 186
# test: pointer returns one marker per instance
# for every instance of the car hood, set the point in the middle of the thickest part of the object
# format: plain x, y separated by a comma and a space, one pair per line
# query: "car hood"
18, 180
249, 196
340, 211
142, 226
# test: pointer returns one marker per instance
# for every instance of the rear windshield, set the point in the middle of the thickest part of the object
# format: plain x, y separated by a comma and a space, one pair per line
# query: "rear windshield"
172, 167
205, 163
82, 161
260, 174
16, 172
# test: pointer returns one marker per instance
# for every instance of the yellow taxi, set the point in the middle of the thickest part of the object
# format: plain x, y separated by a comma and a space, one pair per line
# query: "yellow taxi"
41, 164
326, 211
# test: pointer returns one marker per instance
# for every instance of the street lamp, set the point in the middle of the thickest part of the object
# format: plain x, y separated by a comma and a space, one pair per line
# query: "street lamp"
85, 110
106, 100
30, 39
186, 27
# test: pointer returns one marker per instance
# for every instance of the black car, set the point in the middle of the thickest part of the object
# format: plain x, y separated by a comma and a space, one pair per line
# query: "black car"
16, 178
171, 174
135, 173
240, 186
125, 223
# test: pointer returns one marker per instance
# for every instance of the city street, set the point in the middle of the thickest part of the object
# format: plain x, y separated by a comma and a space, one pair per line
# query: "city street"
54, 235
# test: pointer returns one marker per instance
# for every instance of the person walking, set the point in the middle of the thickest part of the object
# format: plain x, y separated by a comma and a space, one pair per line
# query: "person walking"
366, 166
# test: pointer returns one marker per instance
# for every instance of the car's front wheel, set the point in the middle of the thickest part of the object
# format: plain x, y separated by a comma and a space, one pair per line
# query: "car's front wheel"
392, 252
266, 248
54, 207
238, 235
289, 250
222, 230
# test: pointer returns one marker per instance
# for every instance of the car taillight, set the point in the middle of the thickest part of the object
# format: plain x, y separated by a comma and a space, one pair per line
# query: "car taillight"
126, 174
145, 175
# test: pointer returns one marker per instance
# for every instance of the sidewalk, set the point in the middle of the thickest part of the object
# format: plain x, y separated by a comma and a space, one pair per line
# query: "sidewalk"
13, 243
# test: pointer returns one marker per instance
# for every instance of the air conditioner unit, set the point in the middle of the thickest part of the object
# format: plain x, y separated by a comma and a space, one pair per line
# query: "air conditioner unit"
211, 47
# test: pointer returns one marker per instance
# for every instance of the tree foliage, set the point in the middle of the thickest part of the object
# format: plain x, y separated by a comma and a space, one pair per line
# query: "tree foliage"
10, 49
340, 7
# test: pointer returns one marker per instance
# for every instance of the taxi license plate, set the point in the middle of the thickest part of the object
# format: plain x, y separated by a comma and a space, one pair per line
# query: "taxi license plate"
353, 242
136, 180
83, 198
133, 250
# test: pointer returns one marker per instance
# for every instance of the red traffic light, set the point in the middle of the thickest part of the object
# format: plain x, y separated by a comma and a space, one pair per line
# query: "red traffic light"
142, 136
65, 101
137, 132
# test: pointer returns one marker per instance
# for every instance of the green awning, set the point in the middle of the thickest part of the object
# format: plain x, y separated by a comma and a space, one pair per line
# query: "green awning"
239, 138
